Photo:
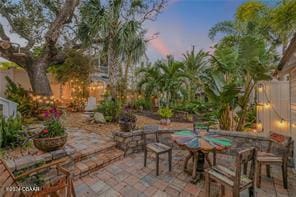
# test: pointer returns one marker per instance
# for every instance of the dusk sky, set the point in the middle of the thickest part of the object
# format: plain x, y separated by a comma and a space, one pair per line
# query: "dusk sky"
185, 23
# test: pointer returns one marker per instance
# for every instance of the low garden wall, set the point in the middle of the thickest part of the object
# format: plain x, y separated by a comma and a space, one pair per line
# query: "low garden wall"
131, 142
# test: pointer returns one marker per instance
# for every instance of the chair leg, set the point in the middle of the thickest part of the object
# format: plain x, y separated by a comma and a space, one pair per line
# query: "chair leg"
207, 185
145, 157
194, 166
268, 171
258, 178
186, 161
252, 191
157, 164
170, 160
285, 176
208, 160
214, 158
235, 192
222, 190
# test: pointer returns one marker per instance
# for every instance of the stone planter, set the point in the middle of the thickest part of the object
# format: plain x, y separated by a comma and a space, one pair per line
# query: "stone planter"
127, 126
166, 121
50, 144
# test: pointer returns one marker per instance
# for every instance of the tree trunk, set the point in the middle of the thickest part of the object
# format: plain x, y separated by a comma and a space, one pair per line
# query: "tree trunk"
38, 79
125, 80
113, 70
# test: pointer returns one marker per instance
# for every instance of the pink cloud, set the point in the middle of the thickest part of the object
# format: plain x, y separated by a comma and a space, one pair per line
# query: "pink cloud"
160, 46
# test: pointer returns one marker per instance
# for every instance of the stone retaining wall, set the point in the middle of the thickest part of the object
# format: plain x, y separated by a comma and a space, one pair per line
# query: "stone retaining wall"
131, 142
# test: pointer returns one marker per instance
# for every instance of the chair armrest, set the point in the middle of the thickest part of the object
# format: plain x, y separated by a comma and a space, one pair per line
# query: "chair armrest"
63, 170
48, 165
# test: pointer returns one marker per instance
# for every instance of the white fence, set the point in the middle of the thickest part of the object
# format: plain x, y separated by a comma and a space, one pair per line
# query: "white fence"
273, 108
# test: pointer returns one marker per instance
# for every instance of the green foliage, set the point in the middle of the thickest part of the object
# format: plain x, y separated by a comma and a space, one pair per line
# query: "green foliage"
190, 107
53, 128
110, 109
164, 79
8, 65
18, 94
250, 117
76, 66
53, 124
165, 112
143, 103
11, 133
192, 71
251, 10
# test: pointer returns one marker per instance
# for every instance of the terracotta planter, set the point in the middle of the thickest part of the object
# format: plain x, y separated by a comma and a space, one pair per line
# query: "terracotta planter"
51, 143
165, 121
127, 126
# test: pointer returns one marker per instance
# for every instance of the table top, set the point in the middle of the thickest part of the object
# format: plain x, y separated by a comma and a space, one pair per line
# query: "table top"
203, 141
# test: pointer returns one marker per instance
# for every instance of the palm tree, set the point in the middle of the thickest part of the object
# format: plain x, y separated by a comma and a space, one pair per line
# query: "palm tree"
194, 66
117, 27
274, 24
149, 80
163, 79
133, 49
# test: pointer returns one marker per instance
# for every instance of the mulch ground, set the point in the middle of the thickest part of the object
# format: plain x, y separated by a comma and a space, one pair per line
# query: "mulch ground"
81, 121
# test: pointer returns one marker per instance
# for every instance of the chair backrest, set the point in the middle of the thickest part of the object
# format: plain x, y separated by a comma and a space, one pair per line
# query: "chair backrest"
201, 126
152, 130
245, 159
285, 142
6, 179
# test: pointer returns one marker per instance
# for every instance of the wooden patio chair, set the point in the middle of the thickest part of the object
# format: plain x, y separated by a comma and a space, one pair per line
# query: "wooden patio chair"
236, 180
268, 158
156, 147
61, 187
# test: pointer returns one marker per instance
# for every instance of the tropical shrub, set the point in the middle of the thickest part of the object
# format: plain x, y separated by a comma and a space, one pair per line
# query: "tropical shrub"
110, 109
190, 107
53, 125
11, 133
143, 104
165, 112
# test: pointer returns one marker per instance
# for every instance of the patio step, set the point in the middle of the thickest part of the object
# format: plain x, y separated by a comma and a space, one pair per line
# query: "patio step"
91, 151
95, 162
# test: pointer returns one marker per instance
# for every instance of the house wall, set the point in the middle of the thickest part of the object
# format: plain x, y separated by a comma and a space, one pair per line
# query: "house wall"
59, 91
293, 106
17, 75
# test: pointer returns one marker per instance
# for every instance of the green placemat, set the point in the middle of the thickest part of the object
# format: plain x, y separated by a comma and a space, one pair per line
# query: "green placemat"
223, 142
184, 133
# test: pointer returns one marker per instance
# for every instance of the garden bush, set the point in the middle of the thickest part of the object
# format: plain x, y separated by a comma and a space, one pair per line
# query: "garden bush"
165, 112
11, 133
145, 104
110, 109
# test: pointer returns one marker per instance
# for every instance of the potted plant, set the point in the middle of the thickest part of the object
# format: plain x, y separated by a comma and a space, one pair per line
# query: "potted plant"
127, 121
165, 113
53, 136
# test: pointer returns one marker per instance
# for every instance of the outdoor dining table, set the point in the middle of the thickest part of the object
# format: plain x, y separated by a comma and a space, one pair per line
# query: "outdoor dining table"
199, 144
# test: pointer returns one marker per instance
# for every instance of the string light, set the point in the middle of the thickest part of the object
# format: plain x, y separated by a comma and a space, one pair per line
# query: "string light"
260, 87
282, 121
267, 105
259, 126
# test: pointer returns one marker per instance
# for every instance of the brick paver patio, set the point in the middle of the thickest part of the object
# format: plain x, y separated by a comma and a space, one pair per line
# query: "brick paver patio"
129, 178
